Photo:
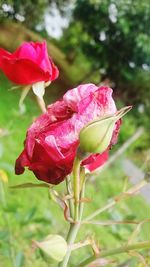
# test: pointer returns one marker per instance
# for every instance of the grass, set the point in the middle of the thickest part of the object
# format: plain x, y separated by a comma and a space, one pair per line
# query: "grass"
31, 215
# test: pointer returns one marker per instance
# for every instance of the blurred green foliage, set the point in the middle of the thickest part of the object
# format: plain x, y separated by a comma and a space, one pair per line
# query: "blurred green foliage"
115, 37
29, 12
124, 58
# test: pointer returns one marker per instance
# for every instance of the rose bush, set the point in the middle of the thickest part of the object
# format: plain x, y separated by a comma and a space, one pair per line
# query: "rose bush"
52, 140
29, 64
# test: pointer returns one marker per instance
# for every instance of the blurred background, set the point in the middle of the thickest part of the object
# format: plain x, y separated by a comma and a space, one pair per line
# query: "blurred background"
98, 41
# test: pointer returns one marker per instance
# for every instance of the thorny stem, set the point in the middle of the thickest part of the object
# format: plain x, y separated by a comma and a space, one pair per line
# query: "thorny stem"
78, 206
123, 249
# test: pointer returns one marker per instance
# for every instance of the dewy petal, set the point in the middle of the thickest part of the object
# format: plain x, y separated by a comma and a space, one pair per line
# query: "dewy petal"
39, 89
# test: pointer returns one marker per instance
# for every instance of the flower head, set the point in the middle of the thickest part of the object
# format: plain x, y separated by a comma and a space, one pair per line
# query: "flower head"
52, 140
29, 64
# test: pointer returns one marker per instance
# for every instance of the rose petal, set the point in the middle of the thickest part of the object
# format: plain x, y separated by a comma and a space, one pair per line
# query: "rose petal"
29, 64
53, 139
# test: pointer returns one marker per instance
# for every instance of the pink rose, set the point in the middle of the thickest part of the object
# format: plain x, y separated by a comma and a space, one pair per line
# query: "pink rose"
52, 140
29, 64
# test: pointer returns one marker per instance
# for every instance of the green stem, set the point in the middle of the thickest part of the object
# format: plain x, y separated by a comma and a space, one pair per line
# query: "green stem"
74, 228
124, 249
78, 205
99, 211
69, 192
76, 179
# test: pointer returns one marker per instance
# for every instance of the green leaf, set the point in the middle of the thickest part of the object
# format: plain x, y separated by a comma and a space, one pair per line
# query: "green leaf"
30, 185
30, 214
19, 261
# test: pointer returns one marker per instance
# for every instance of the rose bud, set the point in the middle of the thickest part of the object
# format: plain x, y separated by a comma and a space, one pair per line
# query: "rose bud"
96, 136
53, 248
29, 65
52, 140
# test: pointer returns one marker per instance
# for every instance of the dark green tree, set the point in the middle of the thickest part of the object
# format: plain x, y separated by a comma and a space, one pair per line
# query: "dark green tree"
115, 36
29, 12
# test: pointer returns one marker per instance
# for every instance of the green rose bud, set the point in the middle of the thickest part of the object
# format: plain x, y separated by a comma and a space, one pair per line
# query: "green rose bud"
54, 247
95, 137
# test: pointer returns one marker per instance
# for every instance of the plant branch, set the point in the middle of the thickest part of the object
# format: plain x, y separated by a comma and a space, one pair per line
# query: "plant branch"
130, 192
109, 223
76, 179
123, 249
74, 228
78, 208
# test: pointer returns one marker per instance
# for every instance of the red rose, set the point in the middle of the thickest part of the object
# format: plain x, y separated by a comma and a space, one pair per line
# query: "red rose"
29, 64
52, 140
